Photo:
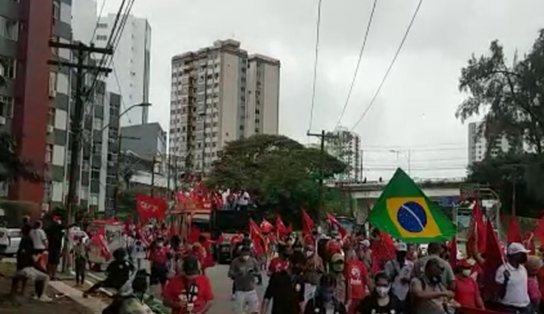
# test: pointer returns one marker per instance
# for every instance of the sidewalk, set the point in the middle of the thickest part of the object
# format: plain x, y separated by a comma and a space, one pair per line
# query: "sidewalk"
66, 299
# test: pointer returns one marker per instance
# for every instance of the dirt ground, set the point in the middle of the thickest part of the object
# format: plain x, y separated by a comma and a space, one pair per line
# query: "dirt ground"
25, 304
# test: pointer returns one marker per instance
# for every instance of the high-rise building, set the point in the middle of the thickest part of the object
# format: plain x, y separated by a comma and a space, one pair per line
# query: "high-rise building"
220, 94
477, 143
35, 96
131, 64
346, 147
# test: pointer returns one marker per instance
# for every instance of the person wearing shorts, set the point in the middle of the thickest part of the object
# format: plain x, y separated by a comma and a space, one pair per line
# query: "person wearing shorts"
27, 260
243, 271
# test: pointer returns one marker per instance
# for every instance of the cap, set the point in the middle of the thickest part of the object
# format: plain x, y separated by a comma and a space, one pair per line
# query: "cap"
245, 250
515, 248
337, 257
365, 243
402, 247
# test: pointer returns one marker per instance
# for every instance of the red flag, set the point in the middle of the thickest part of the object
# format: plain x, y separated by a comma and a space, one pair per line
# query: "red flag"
307, 223
539, 230
514, 231
280, 227
333, 221
477, 231
257, 238
266, 226
150, 207
383, 249
290, 228
493, 259
453, 252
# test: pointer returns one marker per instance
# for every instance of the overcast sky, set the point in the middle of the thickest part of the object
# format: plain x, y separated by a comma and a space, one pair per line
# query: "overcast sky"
415, 109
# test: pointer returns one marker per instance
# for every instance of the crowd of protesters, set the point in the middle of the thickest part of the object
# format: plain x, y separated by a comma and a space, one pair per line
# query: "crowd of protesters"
316, 273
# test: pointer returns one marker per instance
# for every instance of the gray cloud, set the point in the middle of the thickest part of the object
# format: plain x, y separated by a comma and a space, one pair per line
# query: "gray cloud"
417, 104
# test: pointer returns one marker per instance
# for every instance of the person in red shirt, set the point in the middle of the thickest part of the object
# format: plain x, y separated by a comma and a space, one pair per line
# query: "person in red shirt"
356, 274
540, 278
280, 262
466, 290
189, 291
158, 256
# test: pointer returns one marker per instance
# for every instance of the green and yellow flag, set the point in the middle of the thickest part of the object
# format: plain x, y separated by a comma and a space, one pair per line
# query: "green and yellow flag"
404, 212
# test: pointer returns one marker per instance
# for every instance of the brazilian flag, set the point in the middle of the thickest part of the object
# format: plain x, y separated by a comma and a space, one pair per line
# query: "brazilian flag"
404, 212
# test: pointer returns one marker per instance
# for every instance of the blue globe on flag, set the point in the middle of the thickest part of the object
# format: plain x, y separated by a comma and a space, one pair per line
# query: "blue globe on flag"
412, 217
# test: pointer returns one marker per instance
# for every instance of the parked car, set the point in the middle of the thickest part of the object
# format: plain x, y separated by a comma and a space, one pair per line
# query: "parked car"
13, 236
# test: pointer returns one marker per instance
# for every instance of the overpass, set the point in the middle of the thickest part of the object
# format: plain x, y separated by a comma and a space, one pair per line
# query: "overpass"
444, 192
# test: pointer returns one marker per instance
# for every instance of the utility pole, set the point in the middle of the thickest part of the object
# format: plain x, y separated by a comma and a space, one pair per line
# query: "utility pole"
81, 52
322, 137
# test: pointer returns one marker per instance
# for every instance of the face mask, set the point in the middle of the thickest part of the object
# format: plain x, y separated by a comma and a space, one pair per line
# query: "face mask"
338, 267
466, 272
245, 257
309, 253
435, 279
382, 292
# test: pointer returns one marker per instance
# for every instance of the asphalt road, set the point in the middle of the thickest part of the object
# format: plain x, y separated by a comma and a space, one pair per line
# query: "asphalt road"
221, 284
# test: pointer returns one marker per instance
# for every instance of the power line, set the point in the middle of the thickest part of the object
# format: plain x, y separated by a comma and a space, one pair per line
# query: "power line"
358, 63
123, 104
415, 169
430, 149
390, 65
456, 144
98, 19
318, 27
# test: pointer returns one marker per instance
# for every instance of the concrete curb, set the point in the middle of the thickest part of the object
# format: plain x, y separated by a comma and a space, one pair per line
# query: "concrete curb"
93, 304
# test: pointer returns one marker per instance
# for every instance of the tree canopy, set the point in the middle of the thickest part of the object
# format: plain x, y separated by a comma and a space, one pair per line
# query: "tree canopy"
280, 173
12, 167
510, 96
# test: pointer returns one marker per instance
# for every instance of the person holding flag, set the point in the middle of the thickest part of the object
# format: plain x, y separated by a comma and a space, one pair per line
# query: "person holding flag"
512, 279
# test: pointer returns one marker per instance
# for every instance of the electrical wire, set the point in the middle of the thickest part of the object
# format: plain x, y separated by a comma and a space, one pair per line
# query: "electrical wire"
123, 104
98, 19
314, 84
372, 101
358, 63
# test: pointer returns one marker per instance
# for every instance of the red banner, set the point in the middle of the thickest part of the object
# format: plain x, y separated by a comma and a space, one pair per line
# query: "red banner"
266, 226
514, 231
539, 230
333, 221
307, 224
280, 227
150, 207
477, 231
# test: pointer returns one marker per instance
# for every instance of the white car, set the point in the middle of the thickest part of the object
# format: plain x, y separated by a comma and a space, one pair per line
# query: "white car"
9, 241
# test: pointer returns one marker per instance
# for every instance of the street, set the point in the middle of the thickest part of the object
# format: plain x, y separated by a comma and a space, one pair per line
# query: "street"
221, 284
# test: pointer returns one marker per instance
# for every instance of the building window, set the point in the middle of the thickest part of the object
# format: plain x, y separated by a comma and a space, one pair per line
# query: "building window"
49, 153
6, 106
102, 37
102, 25
8, 28
7, 67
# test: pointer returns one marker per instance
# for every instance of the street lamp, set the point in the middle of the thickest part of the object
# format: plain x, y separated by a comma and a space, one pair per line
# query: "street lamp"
119, 141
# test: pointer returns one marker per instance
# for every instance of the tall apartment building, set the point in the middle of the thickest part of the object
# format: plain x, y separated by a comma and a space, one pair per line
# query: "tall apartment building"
131, 63
346, 146
35, 96
220, 94
477, 144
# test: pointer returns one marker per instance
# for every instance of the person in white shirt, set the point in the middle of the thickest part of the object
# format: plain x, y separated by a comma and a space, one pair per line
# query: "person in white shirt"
399, 271
39, 238
243, 200
513, 280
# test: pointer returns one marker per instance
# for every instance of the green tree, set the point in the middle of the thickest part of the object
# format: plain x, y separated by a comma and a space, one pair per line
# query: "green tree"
510, 95
506, 172
280, 173
12, 166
